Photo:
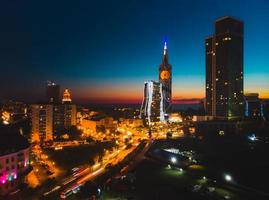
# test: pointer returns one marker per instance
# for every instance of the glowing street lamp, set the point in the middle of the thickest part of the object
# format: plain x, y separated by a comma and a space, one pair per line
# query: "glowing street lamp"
228, 177
173, 160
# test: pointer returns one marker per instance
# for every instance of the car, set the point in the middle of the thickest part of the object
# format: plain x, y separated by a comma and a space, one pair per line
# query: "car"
109, 165
210, 189
196, 188
49, 172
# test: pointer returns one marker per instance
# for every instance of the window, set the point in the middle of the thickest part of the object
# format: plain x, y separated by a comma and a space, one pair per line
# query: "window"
7, 160
12, 159
7, 168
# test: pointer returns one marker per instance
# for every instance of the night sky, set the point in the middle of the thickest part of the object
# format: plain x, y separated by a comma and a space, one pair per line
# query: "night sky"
105, 50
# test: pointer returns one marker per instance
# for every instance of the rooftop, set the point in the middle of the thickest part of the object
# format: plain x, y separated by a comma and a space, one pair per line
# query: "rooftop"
11, 140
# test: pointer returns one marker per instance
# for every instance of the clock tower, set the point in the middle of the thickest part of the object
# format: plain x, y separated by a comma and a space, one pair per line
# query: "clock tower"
165, 78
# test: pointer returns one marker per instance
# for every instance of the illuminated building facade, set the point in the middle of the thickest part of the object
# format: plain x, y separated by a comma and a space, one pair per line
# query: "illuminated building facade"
253, 105
14, 161
69, 110
152, 109
70, 115
42, 122
52, 92
66, 97
224, 70
64, 114
165, 78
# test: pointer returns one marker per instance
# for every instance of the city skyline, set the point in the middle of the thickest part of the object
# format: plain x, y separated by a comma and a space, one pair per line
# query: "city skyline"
134, 99
109, 64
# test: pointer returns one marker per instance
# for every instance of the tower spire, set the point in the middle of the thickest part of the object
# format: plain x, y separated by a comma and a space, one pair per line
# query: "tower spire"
165, 54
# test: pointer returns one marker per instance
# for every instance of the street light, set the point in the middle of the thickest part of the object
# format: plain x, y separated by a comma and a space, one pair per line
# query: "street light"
173, 160
228, 177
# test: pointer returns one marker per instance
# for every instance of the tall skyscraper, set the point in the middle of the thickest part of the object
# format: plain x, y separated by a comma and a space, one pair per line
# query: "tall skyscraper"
165, 78
152, 106
42, 121
52, 92
64, 114
69, 110
224, 69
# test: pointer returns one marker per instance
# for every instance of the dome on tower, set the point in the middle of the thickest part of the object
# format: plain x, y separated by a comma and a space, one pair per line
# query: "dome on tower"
66, 96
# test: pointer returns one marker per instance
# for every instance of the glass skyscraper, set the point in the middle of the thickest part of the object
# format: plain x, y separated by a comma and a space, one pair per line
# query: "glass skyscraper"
224, 70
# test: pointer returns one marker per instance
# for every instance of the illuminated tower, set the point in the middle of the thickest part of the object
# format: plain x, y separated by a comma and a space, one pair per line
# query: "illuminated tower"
66, 97
152, 106
224, 69
69, 110
165, 78
64, 114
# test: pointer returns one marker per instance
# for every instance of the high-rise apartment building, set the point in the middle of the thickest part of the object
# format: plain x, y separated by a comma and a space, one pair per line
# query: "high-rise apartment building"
42, 122
224, 70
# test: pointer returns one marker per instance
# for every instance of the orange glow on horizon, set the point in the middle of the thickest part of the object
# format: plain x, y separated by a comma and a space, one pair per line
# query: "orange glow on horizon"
133, 94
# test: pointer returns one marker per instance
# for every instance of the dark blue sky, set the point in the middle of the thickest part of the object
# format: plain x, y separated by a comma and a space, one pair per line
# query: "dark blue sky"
104, 50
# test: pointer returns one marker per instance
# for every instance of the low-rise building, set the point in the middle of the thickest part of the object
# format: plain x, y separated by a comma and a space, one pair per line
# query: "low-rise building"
89, 125
14, 160
132, 122
253, 105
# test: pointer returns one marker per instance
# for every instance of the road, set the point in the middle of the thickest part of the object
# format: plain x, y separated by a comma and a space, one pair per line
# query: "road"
70, 184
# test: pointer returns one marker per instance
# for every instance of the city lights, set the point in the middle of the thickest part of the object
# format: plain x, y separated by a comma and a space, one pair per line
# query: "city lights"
252, 138
228, 177
128, 117
173, 160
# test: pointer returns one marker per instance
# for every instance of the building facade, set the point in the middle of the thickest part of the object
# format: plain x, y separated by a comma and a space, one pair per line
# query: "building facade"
69, 115
42, 122
224, 70
64, 114
152, 109
165, 78
69, 110
52, 92
253, 105
14, 161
